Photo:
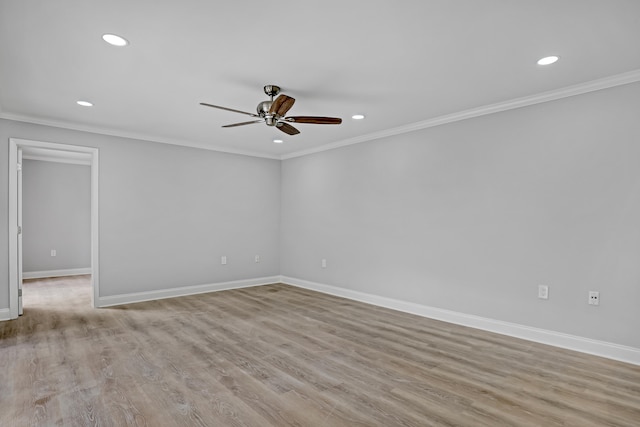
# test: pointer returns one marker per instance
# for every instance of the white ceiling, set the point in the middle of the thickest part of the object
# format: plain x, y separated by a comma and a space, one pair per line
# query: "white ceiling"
401, 63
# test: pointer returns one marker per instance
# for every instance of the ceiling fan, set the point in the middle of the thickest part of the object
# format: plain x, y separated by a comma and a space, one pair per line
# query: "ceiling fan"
273, 112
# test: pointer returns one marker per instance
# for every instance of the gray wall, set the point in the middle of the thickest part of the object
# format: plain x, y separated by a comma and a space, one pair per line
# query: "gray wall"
56, 215
167, 213
473, 215
469, 216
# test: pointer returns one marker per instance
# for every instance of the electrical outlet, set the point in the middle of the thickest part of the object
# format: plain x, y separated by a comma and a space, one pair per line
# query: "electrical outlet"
543, 292
54, 252
594, 298
324, 263
223, 260
257, 258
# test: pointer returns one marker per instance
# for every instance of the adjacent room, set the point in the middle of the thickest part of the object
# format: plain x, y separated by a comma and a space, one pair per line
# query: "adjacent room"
414, 213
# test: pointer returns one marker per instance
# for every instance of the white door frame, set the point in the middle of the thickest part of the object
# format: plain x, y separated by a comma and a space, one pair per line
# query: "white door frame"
60, 151
19, 247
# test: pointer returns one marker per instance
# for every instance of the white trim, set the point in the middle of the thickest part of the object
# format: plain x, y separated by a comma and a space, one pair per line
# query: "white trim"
5, 314
133, 135
60, 156
108, 301
95, 226
557, 339
13, 233
51, 159
552, 95
81, 151
56, 273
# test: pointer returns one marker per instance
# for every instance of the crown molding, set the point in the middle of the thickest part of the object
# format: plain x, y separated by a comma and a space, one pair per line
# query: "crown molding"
552, 95
132, 135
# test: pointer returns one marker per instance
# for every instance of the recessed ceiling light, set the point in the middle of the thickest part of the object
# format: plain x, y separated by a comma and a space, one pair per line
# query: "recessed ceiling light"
547, 60
114, 40
357, 116
278, 141
84, 103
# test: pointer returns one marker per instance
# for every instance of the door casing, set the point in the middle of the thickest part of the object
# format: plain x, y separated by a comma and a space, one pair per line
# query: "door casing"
54, 152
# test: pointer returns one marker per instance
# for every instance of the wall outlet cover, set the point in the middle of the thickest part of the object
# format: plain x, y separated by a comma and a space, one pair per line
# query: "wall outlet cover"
543, 291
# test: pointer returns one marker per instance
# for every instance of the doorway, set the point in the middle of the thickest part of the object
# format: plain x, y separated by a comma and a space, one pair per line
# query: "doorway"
38, 150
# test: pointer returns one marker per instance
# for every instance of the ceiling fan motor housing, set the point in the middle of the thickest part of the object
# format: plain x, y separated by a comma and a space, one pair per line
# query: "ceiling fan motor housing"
271, 120
263, 108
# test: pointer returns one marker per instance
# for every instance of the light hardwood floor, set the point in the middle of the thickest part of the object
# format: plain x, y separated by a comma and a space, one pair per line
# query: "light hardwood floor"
281, 356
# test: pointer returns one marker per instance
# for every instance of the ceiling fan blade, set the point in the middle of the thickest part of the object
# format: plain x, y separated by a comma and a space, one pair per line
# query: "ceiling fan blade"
276, 104
286, 106
281, 105
287, 128
242, 124
229, 109
315, 120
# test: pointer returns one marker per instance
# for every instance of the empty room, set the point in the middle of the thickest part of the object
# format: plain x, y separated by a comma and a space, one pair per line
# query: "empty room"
364, 213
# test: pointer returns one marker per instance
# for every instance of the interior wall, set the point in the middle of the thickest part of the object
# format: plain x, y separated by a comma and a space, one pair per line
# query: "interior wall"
472, 216
168, 213
56, 215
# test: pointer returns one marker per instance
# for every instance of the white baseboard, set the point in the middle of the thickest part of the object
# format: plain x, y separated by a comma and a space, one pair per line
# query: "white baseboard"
5, 314
56, 273
557, 339
109, 301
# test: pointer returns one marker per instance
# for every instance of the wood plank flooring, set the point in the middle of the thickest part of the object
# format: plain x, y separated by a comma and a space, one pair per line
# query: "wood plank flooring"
281, 356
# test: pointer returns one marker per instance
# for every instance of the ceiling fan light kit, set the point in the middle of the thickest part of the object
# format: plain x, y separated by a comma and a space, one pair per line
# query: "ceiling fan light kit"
272, 112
